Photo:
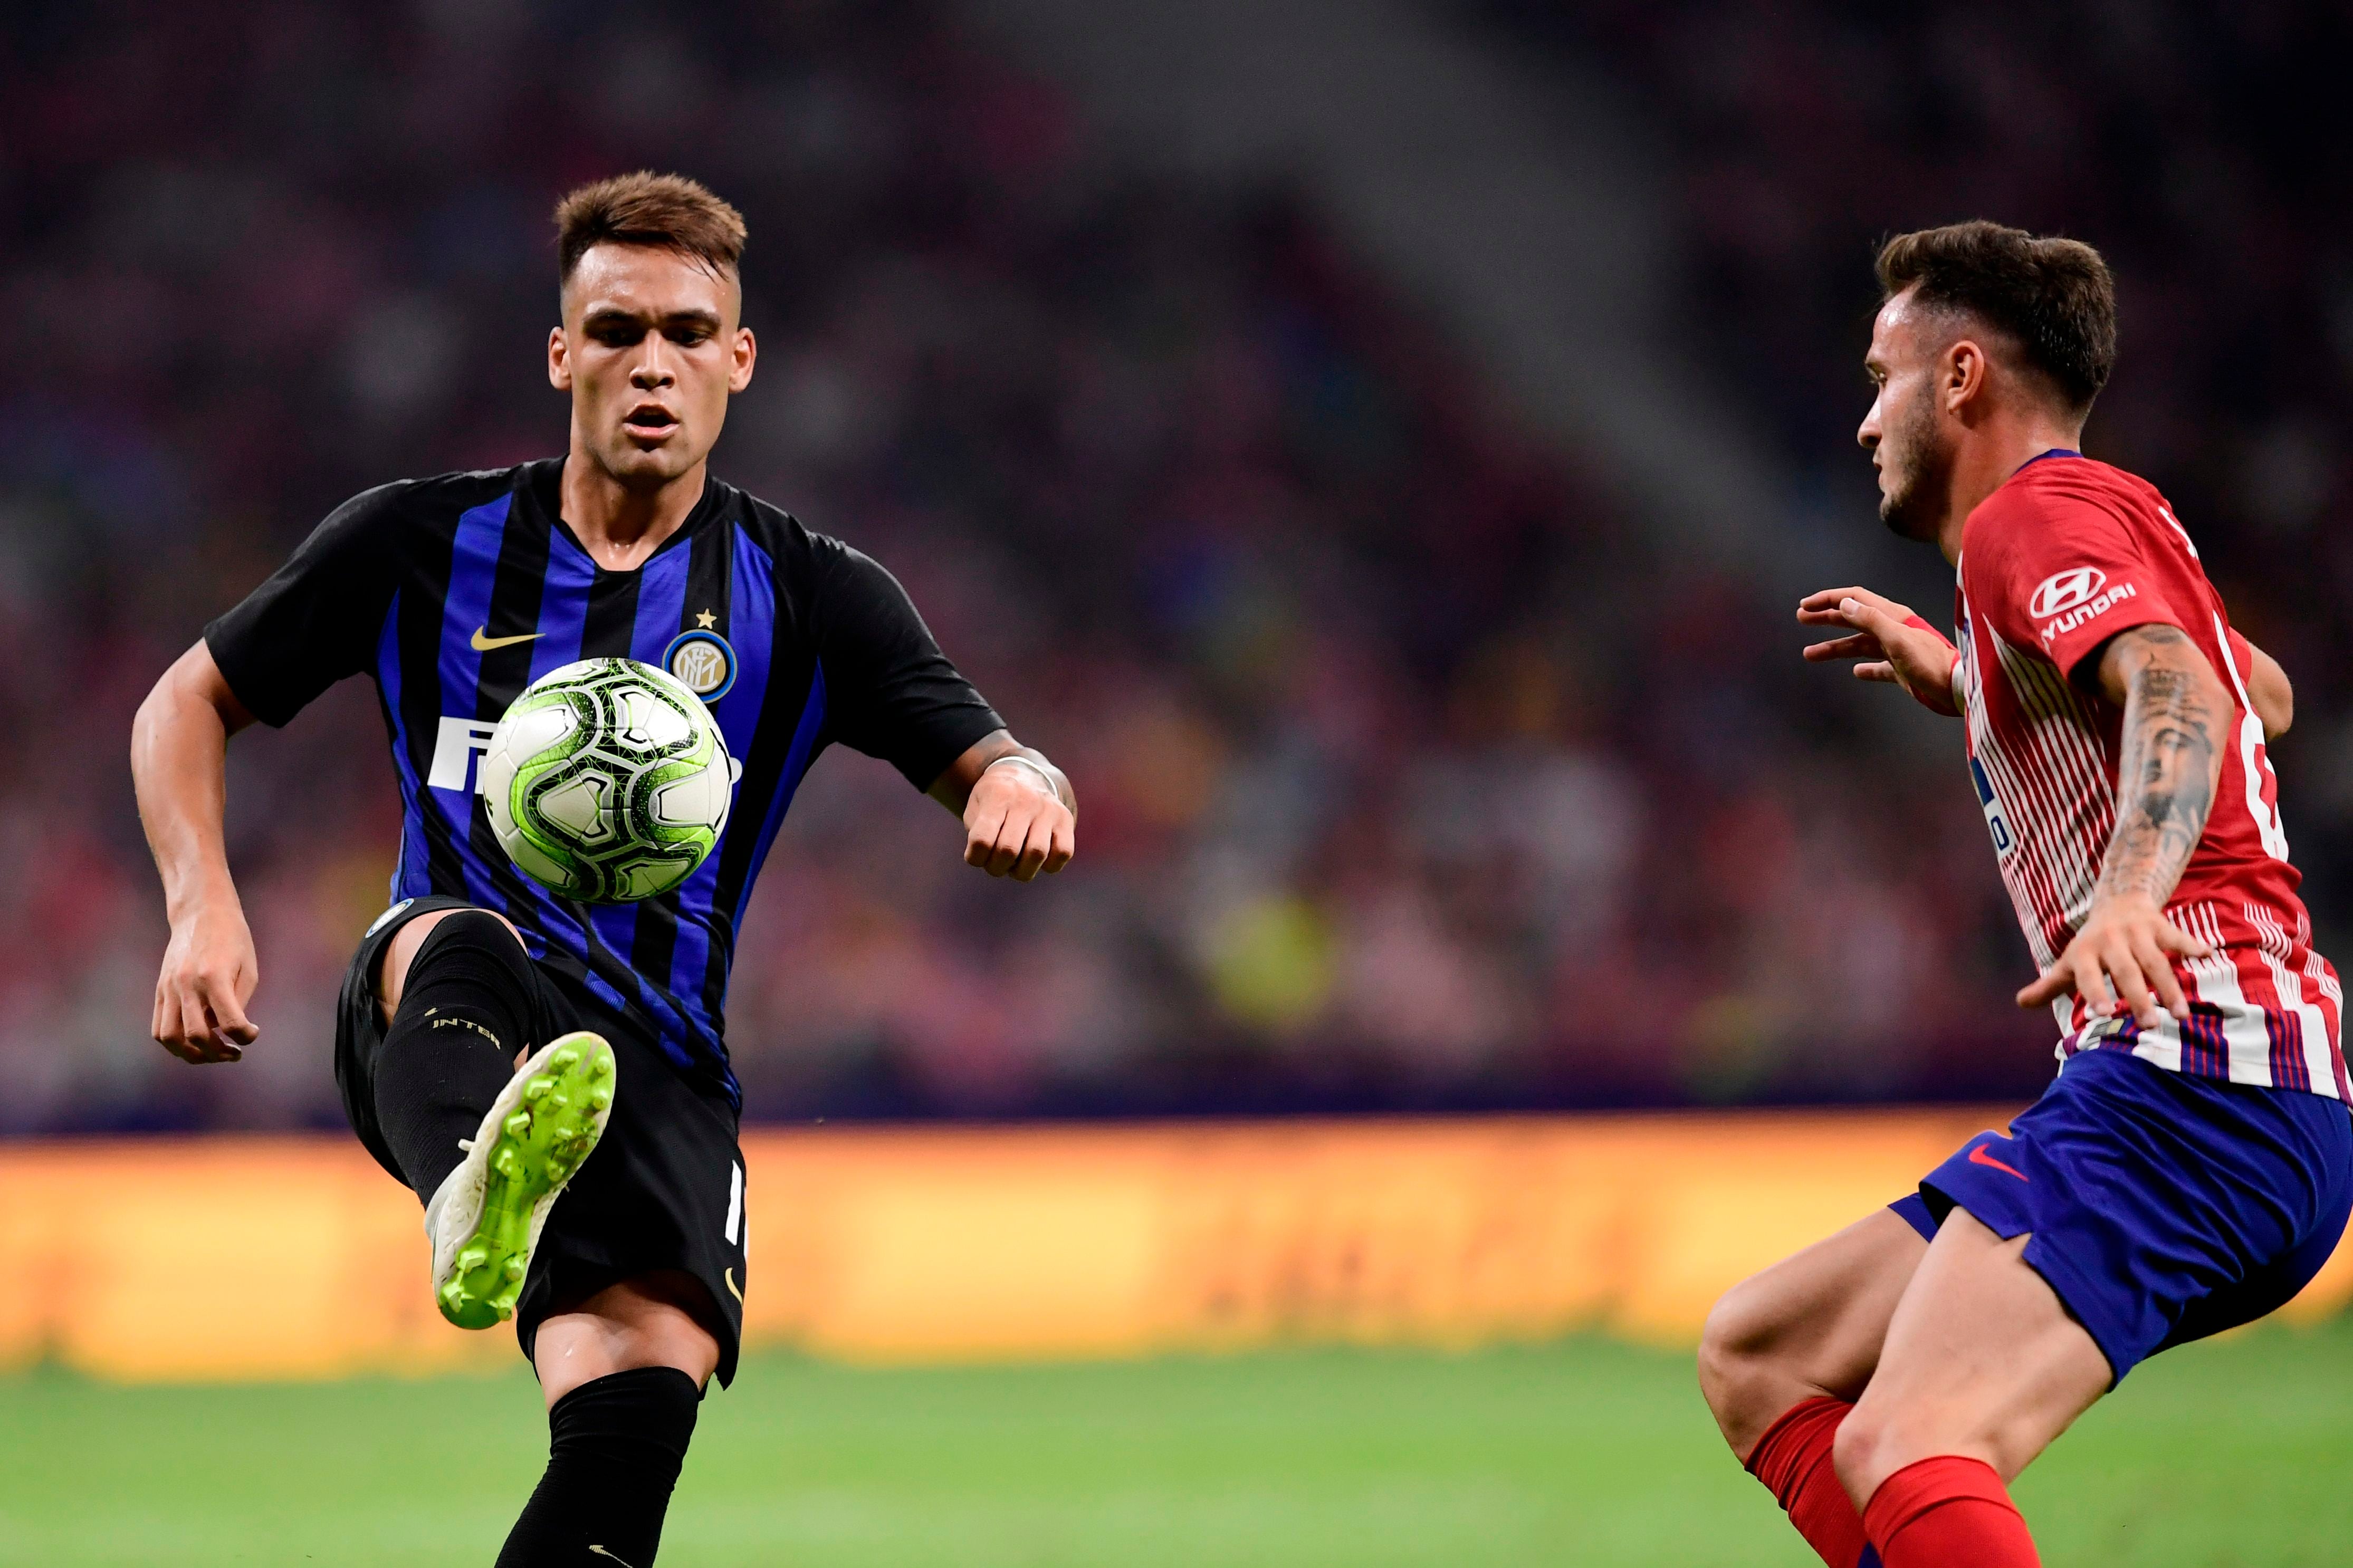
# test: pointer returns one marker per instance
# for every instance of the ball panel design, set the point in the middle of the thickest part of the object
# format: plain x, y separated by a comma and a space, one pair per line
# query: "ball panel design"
607, 780
538, 867
699, 798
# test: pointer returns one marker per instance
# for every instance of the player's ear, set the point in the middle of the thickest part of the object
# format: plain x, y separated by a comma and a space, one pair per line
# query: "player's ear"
1964, 374
747, 352
559, 360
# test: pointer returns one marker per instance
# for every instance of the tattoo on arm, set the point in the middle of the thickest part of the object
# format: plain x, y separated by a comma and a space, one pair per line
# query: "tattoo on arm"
2169, 765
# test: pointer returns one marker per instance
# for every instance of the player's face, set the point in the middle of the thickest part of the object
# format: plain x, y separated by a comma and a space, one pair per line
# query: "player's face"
1904, 432
650, 348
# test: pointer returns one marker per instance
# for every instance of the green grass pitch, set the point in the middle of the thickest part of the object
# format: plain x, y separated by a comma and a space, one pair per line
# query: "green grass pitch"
1584, 1452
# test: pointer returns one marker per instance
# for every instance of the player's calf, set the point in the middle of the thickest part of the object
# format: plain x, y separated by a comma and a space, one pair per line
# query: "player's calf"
489, 1146
615, 1448
464, 989
623, 1368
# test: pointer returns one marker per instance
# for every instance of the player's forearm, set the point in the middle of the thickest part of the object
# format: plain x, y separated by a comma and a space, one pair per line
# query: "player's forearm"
2170, 764
179, 749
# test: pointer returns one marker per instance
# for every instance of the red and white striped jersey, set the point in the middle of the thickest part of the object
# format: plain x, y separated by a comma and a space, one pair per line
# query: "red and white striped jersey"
2064, 556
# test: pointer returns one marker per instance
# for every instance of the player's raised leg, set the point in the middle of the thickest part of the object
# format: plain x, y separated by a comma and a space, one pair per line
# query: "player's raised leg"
1785, 1354
486, 1129
1983, 1368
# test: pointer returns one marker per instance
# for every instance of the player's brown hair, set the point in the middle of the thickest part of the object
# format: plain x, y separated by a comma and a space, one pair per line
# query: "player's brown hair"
645, 208
2054, 298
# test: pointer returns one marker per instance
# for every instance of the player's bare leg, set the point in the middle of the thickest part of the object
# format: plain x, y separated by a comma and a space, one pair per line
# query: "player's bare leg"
623, 1371
654, 1319
1785, 1354
1809, 1327
1981, 1369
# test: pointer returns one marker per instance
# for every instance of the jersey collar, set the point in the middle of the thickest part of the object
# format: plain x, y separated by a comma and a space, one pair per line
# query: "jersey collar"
2054, 452
543, 484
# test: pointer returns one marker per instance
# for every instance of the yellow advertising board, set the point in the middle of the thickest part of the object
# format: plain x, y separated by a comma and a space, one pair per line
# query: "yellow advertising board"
240, 1258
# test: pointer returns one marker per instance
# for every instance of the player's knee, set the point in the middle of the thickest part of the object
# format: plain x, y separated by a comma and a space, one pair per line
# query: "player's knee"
1723, 1356
1870, 1447
481, 928
1739, 1374
478, 940
661, 1319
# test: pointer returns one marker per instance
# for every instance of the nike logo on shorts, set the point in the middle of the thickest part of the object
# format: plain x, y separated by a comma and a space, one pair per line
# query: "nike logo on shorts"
1978, 1156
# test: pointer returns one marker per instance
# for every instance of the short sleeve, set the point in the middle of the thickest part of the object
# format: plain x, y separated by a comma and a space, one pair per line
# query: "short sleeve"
890, 692
2070, 576
315, 620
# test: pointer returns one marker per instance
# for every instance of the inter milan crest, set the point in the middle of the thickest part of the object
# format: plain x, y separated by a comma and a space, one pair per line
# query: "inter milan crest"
702, 659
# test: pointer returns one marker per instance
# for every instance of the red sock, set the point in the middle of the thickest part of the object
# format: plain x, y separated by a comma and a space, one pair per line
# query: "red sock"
1793, 1460
1948, 1512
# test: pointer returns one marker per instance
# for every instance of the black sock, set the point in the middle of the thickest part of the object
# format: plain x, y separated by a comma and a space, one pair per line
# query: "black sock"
464, 1012
615, 1447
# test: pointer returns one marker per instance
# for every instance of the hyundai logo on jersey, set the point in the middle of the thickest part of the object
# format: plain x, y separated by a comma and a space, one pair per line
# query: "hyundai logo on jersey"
2065, 590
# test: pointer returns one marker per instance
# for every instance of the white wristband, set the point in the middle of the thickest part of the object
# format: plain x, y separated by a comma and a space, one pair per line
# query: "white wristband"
1034, 765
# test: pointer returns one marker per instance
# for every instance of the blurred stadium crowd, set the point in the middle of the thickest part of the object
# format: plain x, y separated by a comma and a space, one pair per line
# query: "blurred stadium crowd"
1412, 776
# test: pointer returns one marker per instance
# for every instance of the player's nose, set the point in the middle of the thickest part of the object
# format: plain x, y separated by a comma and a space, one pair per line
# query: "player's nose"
653, 368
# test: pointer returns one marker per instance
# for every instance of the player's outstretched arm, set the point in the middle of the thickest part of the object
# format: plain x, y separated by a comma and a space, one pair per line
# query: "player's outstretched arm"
2168, 767
1893, 643
1020, 815
179, 746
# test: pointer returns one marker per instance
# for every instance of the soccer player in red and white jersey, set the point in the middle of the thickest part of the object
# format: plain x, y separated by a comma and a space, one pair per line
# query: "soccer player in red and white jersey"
2191, 1166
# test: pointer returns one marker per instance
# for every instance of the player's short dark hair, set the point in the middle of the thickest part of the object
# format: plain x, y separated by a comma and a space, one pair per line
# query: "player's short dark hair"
2054, 298
669, 211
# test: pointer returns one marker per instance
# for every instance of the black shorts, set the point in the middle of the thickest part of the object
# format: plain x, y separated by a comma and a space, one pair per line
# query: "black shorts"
664, 1189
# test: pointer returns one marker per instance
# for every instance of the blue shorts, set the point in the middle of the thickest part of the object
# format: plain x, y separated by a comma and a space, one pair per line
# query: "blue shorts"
2162, 1208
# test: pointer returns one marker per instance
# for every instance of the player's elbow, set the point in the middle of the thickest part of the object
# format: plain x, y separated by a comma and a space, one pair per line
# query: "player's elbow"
163, 702
192, 689
2273, 696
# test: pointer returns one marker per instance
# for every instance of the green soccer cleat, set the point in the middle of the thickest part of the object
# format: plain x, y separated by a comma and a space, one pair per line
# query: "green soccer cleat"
485, 1220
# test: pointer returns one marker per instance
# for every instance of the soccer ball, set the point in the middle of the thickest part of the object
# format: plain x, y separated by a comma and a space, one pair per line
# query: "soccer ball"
607, 780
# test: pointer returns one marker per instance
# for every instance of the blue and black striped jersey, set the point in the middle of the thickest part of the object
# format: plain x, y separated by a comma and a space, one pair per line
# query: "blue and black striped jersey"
455, 593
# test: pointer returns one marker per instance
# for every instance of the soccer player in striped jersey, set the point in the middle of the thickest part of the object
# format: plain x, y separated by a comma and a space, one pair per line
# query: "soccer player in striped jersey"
2191, 1166
489, 1029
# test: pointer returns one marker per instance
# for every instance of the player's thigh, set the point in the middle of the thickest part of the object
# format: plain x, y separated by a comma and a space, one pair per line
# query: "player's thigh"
1808, 1326
1982, 1361
392, 974
659, 1319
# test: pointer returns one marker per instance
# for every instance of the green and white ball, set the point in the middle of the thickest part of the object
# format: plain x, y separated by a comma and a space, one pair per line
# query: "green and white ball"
607, 780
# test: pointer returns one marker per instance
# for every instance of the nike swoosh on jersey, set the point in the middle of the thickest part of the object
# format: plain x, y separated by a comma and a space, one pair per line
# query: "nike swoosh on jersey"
1978, 1156
484, 645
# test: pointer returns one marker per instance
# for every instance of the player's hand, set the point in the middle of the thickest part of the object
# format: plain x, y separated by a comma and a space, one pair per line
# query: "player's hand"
209, 974
1916, 658
1016, 826
2125, 944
